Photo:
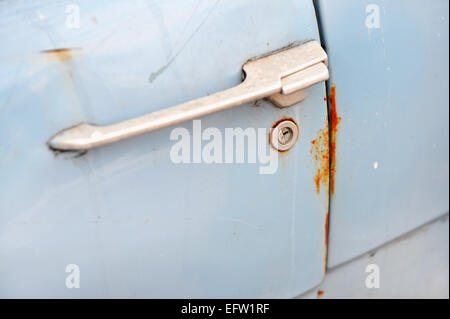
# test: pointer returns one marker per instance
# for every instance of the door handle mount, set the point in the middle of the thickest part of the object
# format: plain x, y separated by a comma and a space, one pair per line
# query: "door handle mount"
280, 77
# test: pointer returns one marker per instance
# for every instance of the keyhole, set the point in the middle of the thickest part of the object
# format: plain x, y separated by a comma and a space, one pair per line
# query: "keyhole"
285, 135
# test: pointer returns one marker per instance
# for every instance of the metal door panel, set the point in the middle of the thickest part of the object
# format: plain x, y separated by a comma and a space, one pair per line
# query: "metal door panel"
137, 224
391, 143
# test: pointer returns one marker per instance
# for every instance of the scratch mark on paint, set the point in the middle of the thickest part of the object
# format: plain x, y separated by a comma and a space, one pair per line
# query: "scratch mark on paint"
161, 70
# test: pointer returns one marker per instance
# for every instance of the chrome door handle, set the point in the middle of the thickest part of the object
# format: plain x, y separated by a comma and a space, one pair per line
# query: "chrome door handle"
280, 76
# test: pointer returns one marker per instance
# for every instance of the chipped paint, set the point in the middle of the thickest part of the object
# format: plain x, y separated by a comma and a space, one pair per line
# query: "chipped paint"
334, 126
62, 54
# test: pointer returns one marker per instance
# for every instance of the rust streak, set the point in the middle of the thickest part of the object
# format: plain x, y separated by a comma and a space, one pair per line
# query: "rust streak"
326, 229
320, 153
327, 218
334, 126
61, 54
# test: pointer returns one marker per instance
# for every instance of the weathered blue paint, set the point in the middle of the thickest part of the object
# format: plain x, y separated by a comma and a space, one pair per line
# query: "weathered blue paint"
392, 150
137, 224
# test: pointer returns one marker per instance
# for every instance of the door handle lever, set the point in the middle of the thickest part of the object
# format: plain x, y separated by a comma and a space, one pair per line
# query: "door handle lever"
283, 73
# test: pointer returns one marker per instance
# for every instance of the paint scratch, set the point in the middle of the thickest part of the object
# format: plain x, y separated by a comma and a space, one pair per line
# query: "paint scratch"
154, 75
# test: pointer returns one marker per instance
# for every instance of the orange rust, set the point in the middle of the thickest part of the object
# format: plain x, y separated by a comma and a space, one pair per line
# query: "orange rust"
326, 241
278, 122
320, 293
61, 54
320, 153
334, 126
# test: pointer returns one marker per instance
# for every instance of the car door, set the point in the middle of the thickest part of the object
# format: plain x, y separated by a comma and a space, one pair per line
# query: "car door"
124, 220
390, 131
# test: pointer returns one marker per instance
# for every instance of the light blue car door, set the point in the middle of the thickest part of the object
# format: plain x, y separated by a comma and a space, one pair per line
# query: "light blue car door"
390, 139
124, 219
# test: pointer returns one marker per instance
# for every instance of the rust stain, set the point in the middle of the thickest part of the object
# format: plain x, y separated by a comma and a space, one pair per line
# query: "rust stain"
327, 218
320, 293
323, 150
320, 153
334, 126
278, 122
61, 54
